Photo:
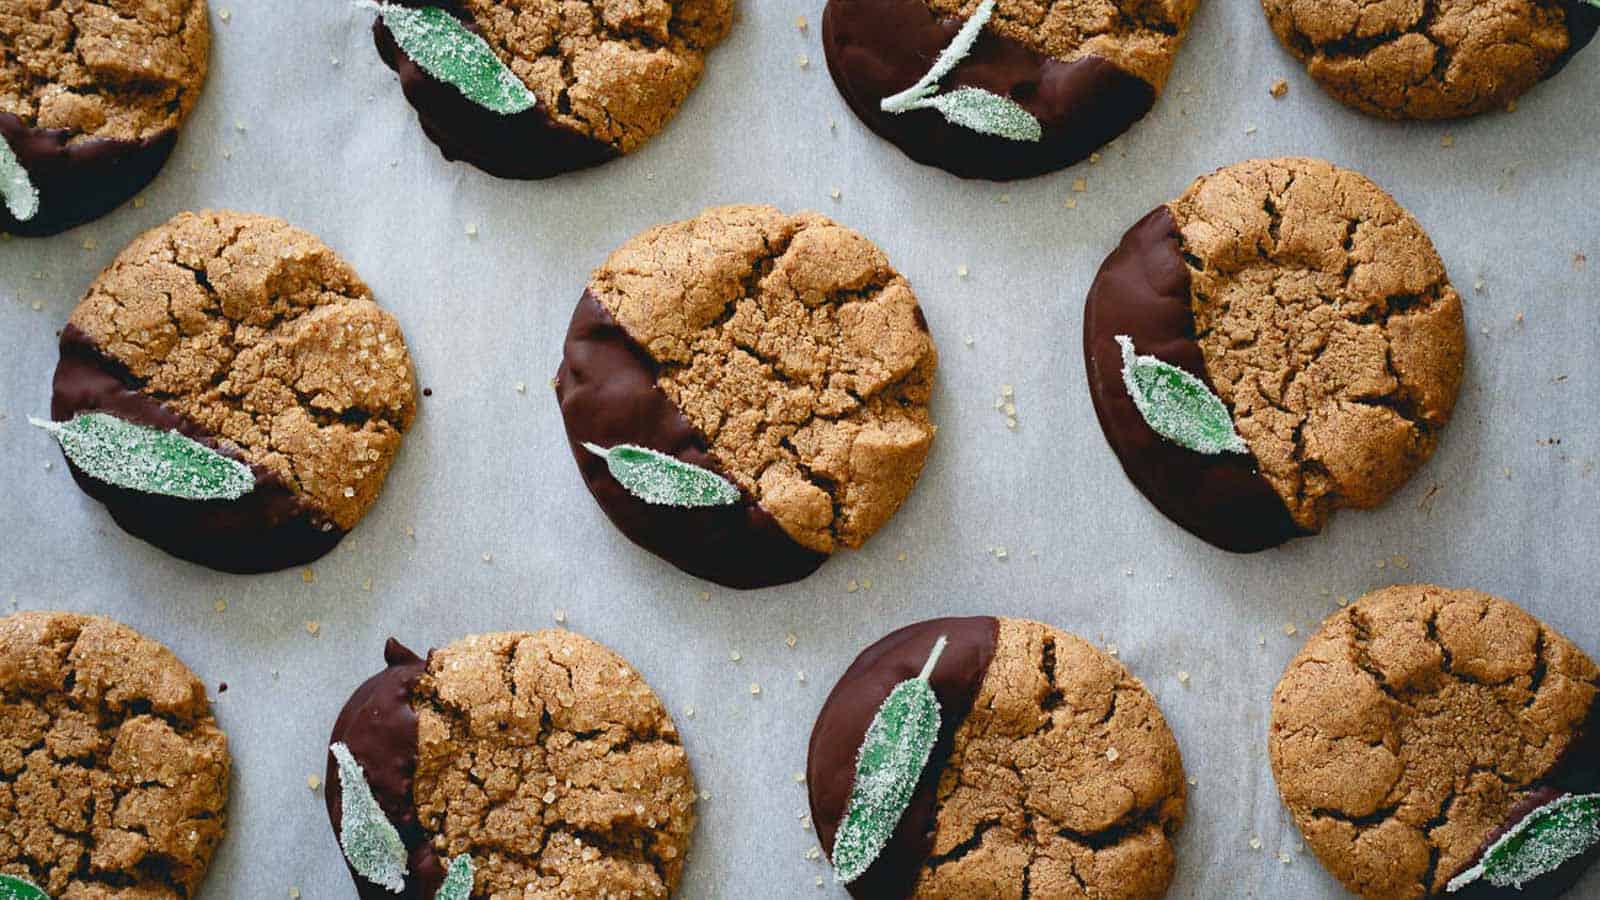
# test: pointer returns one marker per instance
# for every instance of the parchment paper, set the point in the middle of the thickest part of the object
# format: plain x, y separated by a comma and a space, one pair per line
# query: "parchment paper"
485, 525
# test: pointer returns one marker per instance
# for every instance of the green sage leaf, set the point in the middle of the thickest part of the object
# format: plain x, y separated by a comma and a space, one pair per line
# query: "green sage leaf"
150, 460
445, 49
987, 113
982, 111
21, 197
893, 754
457, 880
1560, 830
370, 841
662, 480
13, 887
1177, 405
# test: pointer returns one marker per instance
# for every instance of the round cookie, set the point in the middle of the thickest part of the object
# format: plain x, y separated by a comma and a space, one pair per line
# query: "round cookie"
1054, 773
1316, 309
113, 773
1085, 70
253, 338
607, 77
543, 756
1417, 725
92, 94
781, 352
1432, 60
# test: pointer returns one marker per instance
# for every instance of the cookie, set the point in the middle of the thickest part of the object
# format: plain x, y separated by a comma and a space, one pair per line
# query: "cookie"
595, 80
1316, 309
113, 772
1432, 61
1421, 722
1054, 774
92, 94
543, 757
1082, 72
779, 352
252, 338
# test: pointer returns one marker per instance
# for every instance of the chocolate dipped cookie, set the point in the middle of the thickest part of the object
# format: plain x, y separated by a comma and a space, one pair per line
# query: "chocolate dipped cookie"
1432, 742
1048, 770
92, 94
1279, 342
1432, 60
113, 772
777, 360
1001, 89
510, 764
533, 90
231, 392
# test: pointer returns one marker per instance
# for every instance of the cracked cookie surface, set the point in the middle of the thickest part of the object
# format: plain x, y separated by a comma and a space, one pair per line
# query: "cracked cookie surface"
1327, 324
797, 352
615, 70
256, 332
550, 760
1428, 60
124, 70
113, 773
1064, 778
1411, 725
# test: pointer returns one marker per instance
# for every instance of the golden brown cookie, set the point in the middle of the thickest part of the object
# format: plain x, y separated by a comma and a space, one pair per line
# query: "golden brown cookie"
92, 94
779, 351
1414, 726
607, 76
1054, 775
254, 338
1415, 60
1084, 71
1316, 309
113, 773
543, 756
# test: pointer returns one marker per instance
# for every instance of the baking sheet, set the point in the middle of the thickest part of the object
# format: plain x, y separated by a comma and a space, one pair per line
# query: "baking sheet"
485, 525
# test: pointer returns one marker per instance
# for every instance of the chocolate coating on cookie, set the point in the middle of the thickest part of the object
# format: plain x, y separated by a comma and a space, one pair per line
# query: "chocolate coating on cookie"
608, 394
78, 181
1142, 290
1058, 776
252, 336
379, 726
606, 78
1418, 725
265, 530
92, 94
842, 724
1080, 85
525, 145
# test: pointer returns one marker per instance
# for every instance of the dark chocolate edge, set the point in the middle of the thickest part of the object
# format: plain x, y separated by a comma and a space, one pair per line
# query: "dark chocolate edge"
1577, 771
379, 726
528, 145
842, 723
79, 181
607, 390
1082, 104
266, 530
1142, 290
1582, 21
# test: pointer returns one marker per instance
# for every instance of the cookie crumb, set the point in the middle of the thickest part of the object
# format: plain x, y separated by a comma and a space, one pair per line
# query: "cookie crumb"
814, 853
560, 616
1080, 185
1071, 203
1113, 754
1279, 88
221, 605
755, 689
522, 387
734, 656
688, 712
1289, 629
225, 15
803, 61
1250, 130
308, 575
138, 202
472, 229
313, 782
961, 271
799, 676
313, 628
294, 892
791, 640
901, 557
1255, 843
1183, 678
852, 587
799, 778
800, 23
835, 193
1094, 159
1448, 140
705, 596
